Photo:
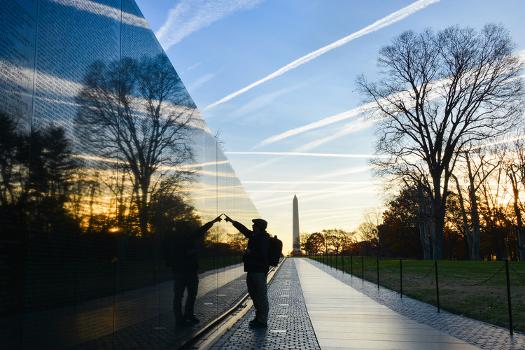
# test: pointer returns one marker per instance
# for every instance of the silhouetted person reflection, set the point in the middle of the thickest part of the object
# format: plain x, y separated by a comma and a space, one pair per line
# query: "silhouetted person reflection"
183, 256
256, 264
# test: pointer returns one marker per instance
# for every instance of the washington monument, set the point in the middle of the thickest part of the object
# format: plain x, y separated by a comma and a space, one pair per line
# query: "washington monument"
296, 242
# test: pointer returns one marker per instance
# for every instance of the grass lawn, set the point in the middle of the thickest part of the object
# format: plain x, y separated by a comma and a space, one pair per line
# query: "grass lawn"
476, 289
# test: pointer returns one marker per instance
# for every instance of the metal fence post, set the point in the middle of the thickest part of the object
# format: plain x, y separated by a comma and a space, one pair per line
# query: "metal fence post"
508, 297
343, 263
336, 255
377, 270
437, 285
401, 277
351, 265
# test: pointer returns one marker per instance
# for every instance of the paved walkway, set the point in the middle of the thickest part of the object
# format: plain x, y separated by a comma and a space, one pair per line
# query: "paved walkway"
344, 318
480, 334
289, 326
314, 306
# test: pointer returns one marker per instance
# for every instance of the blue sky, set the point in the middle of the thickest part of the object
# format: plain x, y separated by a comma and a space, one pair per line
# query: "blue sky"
222, 46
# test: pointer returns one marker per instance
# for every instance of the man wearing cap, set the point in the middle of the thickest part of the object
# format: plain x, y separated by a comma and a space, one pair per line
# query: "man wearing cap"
256, 265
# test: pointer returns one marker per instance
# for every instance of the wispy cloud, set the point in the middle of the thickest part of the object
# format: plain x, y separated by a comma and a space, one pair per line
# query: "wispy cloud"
189, 16
305, 154
308, 197
379, 24
194, 66
264, 100
257, 182
352, 113
504, 140
358, 125
346, 171
521, 55
201, 81
361, 124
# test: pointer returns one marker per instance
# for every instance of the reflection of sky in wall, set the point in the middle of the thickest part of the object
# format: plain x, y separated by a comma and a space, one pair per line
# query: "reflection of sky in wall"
44, 73
279, 76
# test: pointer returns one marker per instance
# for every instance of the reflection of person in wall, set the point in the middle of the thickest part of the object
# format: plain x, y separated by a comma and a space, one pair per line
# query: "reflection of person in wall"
256, 265
182, 254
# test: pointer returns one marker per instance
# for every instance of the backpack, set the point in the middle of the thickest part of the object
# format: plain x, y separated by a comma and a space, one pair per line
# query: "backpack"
275, 250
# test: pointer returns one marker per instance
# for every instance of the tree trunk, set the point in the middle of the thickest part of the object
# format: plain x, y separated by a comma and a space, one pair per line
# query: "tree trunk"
476, 230
466, 229
474, 215
520, 234
438, 230
143, 209
424, 227
438, 220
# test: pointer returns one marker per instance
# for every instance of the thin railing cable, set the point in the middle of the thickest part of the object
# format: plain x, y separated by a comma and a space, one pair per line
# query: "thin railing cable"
519, 274
430, 270
483, 281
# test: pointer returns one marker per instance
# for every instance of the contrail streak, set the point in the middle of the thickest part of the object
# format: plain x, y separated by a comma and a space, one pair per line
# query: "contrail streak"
348, 129
317, 124
256, 182
379, 24
305, 154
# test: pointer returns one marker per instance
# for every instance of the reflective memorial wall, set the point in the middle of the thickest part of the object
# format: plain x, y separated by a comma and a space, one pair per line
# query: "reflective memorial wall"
107, 174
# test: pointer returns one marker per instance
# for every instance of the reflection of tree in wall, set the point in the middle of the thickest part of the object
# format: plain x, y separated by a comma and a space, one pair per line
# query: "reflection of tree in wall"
138, 113
37, 174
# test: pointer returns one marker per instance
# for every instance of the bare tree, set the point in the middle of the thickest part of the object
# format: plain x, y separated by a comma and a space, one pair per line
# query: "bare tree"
439, 94
138, 113
515, 170
479, 166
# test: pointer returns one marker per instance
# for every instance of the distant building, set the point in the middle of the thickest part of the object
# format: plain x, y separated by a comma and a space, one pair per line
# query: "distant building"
296, 240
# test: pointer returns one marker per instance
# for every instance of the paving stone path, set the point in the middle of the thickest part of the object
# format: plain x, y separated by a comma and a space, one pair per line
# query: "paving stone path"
289, 325
480, 334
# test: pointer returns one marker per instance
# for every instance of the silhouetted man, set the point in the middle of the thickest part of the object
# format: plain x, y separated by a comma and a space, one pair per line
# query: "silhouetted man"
182, 252
256, 265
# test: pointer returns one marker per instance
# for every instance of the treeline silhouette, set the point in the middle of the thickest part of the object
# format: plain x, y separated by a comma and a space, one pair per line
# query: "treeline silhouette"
396, 232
